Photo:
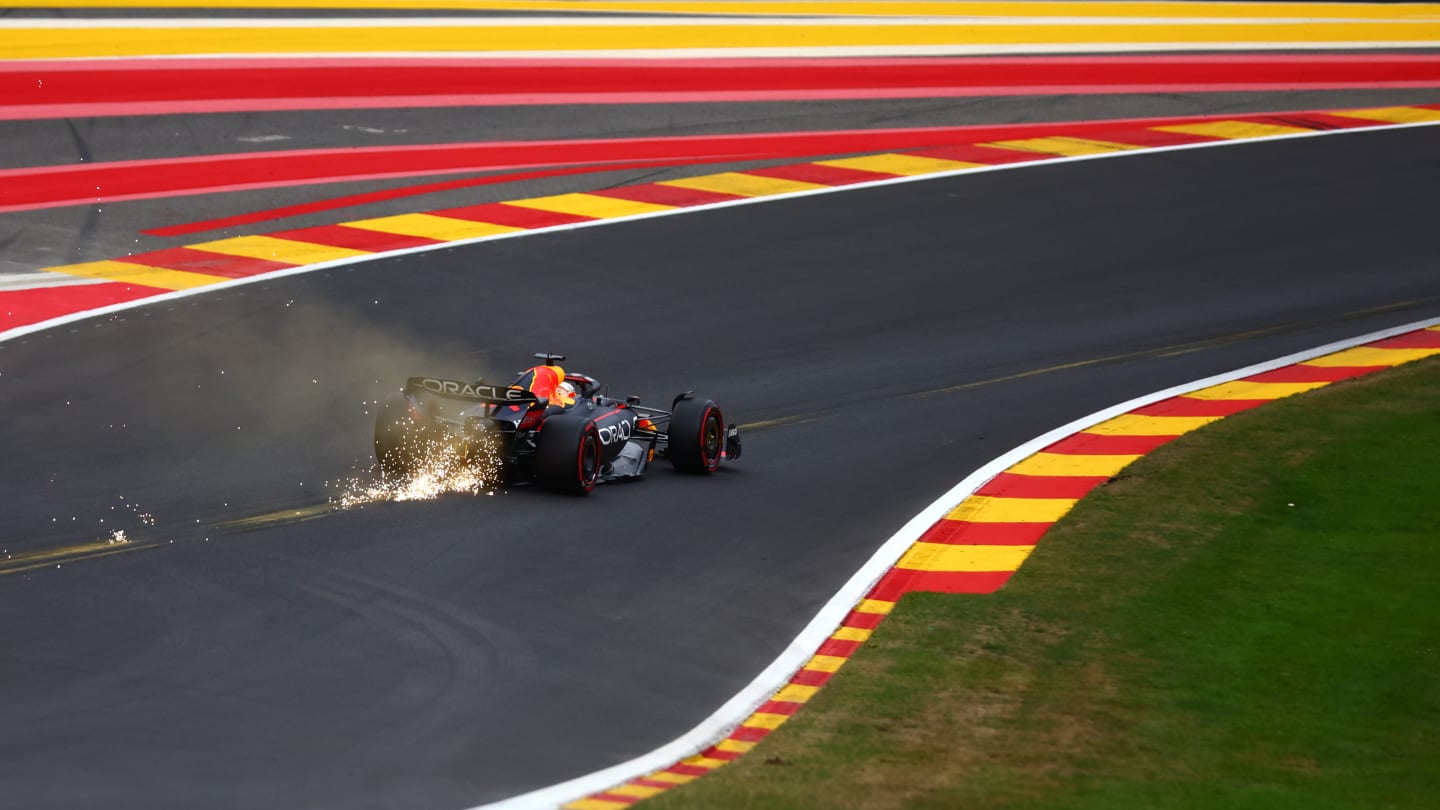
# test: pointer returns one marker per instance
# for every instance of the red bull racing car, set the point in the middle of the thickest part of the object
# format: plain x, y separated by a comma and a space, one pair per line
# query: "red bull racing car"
550, 427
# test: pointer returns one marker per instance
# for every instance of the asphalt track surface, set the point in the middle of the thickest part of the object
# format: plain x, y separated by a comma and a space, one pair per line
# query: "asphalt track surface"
443, 654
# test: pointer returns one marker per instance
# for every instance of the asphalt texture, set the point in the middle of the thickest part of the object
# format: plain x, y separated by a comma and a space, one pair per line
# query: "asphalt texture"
446, 653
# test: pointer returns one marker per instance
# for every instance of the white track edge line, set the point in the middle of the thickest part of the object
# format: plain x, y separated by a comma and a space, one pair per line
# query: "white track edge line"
29, 329
735, 710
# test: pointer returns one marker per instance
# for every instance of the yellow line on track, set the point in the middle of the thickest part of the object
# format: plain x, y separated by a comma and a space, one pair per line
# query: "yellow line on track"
294, 515
21, 562
55, 557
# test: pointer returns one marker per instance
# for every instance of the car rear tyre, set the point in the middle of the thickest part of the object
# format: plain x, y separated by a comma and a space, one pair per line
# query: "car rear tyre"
567, 458
697, 436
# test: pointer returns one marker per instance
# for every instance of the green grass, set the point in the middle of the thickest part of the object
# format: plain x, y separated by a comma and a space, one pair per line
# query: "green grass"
1247, 618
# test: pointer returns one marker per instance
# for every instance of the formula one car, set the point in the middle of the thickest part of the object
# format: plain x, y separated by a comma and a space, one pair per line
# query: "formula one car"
549, 427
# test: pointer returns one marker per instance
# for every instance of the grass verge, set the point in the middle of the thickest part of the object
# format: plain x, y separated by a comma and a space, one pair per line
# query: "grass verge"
1247, 618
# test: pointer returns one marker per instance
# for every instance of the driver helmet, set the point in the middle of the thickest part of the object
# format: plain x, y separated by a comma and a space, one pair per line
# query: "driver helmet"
564, 393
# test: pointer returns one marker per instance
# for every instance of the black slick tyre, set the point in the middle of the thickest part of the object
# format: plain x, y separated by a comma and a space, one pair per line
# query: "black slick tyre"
697, 436
567, 458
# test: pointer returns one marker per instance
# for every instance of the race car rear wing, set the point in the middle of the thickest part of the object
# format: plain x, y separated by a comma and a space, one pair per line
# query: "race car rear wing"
470, 391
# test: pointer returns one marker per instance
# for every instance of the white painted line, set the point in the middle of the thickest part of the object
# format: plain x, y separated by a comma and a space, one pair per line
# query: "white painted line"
20, 331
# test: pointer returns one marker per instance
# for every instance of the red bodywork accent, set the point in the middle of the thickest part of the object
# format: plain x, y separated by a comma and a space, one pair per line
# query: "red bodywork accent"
532, 419
542, 381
